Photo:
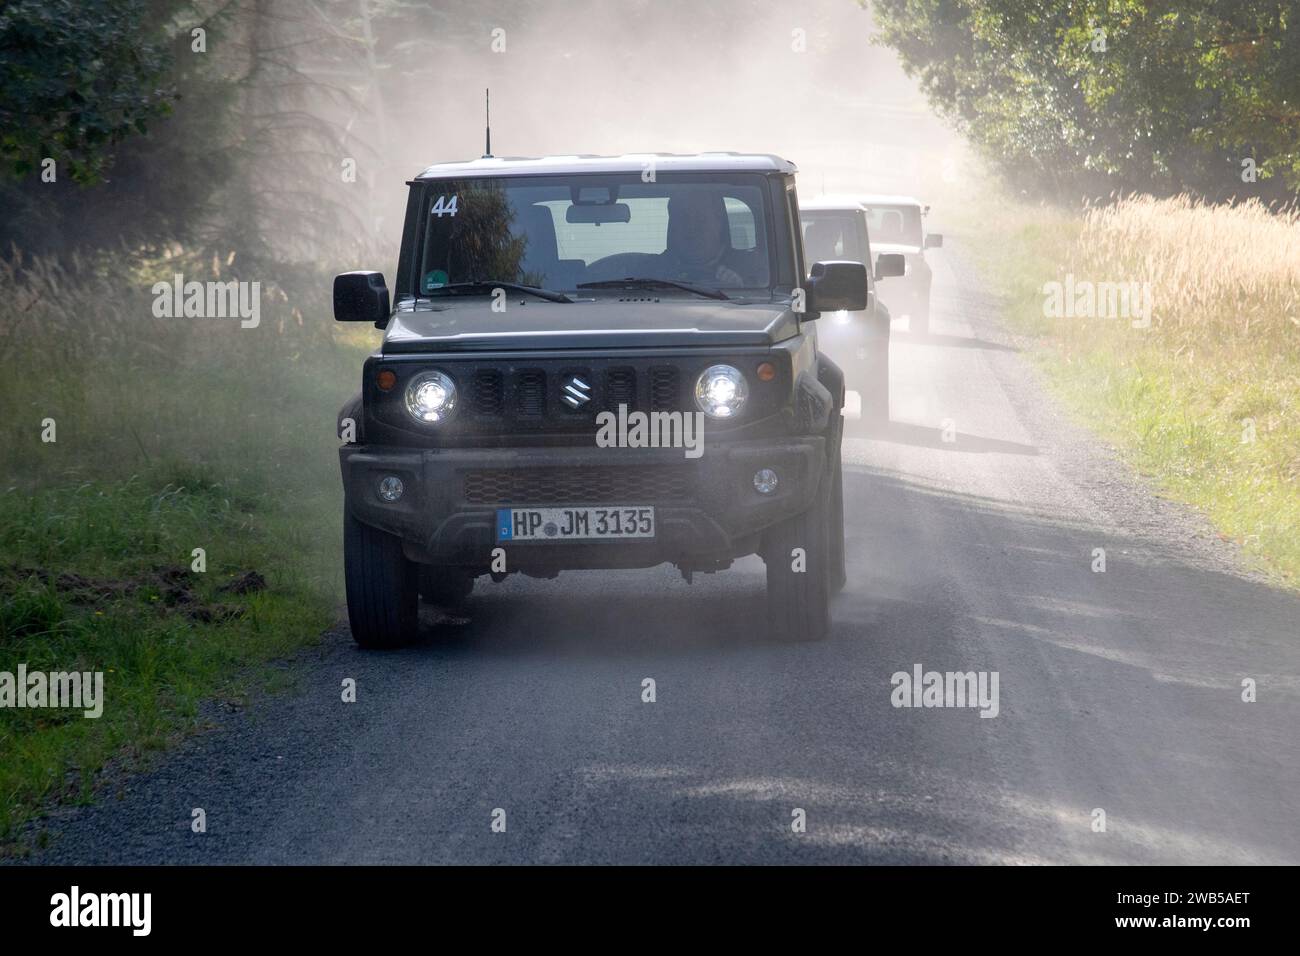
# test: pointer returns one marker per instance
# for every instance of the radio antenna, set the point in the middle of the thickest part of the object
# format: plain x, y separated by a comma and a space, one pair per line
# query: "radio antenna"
487, 102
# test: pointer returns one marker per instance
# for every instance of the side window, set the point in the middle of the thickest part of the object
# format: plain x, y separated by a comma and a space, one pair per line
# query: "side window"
823, 238
869, 260
796, 239
740, 221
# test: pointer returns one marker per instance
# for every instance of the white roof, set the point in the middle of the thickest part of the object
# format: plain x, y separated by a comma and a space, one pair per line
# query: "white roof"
832, 203
627, 163
880, 199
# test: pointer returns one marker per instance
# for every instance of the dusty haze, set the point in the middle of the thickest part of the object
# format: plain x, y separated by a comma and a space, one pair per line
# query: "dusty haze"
601, 77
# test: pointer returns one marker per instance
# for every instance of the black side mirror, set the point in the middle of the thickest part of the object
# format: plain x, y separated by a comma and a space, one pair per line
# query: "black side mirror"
837, 286
933, 240
890, 265
361, 297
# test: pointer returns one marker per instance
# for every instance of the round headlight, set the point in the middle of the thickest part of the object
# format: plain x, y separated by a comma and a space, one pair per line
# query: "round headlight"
721, 391
431, 397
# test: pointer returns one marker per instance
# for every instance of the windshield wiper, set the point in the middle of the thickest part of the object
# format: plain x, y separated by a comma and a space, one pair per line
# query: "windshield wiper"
549, 295
637, 282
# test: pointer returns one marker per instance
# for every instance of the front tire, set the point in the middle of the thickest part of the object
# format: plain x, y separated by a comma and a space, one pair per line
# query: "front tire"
382, 586
873, 371
874, 379
918, 323
839, 570
798, 556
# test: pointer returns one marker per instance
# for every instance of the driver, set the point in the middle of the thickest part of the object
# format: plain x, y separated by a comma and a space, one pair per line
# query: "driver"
891, 226
699, 242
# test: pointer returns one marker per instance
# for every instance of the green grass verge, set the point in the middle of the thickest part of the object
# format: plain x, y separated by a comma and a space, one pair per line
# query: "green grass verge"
169, 437
101, 580
1207, 400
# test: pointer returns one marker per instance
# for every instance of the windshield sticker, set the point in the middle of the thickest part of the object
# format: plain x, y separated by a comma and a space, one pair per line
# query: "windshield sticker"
434, 279
444, 206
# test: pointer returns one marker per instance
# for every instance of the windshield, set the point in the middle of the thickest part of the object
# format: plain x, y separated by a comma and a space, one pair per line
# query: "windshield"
833, 234
558, 232
897, 224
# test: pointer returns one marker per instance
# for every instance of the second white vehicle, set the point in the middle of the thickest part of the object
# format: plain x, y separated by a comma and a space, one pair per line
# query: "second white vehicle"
897, 225
838, 229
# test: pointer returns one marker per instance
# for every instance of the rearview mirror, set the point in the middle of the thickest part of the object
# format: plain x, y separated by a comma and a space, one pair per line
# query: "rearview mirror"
890, 264
361, 297
837, 286
933, 240
599, 212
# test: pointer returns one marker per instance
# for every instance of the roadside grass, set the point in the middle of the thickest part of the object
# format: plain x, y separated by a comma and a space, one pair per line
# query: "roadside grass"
170, 435
1207, 399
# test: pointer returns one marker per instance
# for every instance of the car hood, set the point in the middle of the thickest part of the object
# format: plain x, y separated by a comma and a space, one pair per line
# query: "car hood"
470, 324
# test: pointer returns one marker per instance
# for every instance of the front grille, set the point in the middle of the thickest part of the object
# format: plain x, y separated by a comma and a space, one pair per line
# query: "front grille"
530, 393
620, 388
524, 396
487, 392
578, 485
665, 388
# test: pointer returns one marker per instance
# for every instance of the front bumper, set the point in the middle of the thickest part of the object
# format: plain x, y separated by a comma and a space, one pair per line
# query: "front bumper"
706, 509
910, 293
859, 346
850, 336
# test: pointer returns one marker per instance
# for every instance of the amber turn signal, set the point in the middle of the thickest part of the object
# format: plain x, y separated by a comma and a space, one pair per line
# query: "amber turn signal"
386, 379
766, 371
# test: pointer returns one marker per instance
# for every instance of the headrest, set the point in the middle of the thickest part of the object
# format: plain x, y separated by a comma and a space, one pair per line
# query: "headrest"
538, 225
820, 241
693, 197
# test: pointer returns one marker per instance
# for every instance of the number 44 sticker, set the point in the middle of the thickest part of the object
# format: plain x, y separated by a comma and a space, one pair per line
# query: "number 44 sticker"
444, 206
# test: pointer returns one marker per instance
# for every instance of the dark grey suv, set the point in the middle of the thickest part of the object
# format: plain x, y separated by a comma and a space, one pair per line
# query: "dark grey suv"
595, 363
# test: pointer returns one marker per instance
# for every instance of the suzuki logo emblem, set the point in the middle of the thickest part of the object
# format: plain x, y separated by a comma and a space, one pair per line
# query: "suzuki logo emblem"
576, 393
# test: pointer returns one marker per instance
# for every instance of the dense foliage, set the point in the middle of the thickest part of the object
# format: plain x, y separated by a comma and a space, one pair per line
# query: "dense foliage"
1092, 96
77, 78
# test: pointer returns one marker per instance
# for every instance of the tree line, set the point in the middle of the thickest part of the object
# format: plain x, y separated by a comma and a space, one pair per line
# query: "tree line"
1092, 97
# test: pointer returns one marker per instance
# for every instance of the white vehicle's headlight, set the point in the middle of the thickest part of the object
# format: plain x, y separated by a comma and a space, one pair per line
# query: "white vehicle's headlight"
431, 397
721, 391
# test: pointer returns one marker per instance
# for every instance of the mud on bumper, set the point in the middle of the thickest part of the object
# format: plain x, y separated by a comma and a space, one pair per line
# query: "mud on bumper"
707, 510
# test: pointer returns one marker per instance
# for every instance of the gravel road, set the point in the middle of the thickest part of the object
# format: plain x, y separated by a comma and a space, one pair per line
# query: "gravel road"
1119, 691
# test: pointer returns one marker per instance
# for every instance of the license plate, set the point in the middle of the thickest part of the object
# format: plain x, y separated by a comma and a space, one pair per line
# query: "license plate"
574, 524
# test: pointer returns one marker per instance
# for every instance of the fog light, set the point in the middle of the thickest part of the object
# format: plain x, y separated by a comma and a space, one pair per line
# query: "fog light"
390, 488
765, 481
